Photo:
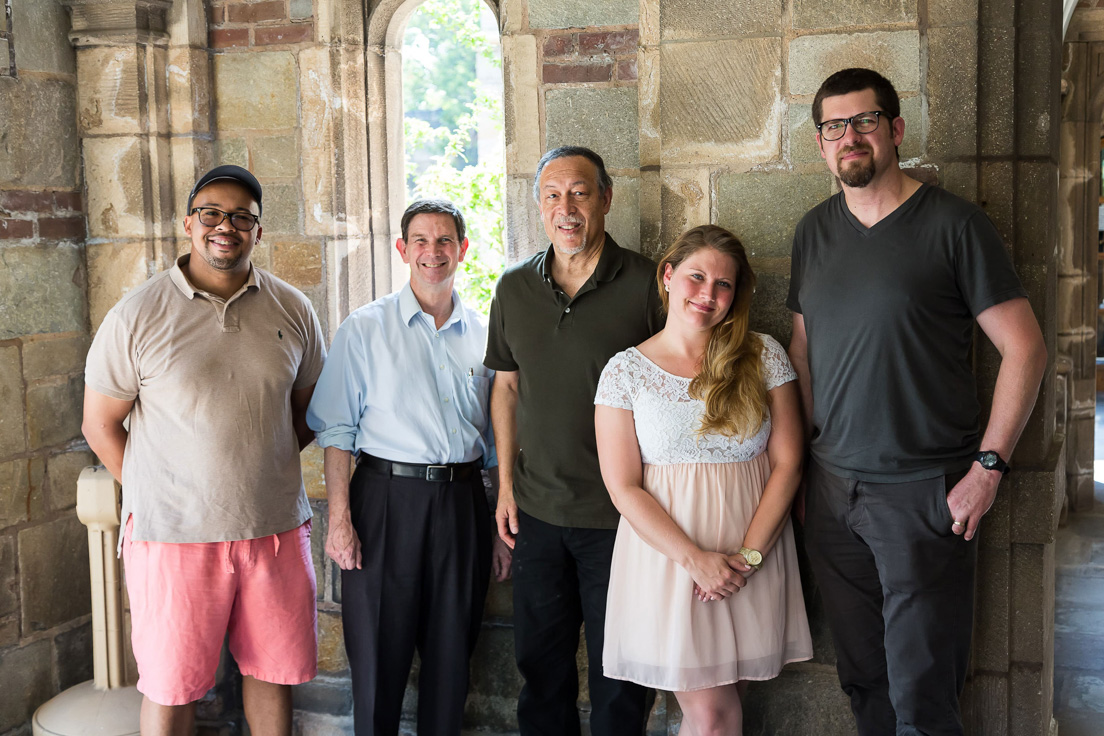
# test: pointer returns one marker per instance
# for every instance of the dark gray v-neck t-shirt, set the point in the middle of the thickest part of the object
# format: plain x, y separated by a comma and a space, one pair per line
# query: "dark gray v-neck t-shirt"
889, 314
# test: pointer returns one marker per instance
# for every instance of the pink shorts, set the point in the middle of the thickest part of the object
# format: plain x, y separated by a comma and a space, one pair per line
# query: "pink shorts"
184, 598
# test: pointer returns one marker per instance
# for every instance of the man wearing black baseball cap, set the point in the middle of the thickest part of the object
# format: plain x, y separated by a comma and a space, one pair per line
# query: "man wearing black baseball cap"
214, 361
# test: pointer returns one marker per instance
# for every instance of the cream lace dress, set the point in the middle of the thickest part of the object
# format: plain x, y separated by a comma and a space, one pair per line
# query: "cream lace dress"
657, 633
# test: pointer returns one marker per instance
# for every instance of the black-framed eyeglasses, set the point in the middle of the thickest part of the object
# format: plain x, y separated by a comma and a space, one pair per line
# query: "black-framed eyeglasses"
211, 217
864, 122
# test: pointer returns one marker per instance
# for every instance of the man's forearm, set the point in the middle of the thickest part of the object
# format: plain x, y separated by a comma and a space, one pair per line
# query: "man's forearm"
336, 469
108, 442
504, 419
1021, 372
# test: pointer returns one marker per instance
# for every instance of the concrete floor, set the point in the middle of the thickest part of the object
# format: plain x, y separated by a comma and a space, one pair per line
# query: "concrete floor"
1079, 612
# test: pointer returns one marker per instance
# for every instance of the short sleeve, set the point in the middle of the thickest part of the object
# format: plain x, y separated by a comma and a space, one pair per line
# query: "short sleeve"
111, 368
777, 368
617, 386
983, 268
793, 298
314, 351
499, 356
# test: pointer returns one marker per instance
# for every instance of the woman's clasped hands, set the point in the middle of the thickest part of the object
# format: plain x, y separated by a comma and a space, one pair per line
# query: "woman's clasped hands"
717, 576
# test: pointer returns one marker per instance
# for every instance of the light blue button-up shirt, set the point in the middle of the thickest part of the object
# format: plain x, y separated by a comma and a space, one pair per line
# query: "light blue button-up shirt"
396, 387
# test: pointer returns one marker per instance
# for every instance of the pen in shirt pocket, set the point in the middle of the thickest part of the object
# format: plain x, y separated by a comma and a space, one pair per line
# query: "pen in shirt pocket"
471, 372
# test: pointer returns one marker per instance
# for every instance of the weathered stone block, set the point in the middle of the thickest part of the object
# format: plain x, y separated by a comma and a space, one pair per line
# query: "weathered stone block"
275, 155
53, 574
281, 212
803, 142
952, 91
300, 9
727, 108
818, 14
985, 705
27, 682
961, 179
189, 98
684, 201
604, 120
322, 563
996, 196
62, 472
692, 19
299, 262
306, 723
1036, 191
54, 411
262, 87
768, 309
331, 643
54, 356
996, 91
623, 220
29, 158
12, 439
742, 200
113, 270
321, 107
1032, 588
1034, 518
524, 229
582, 13
825, 709
324, 695
1029, 712
41, 290
118, 203
1037, 110
522, 88
110, 91
894, 54
233, 151
311, 461
73, 655
992, 628
21, 490
41, 30
9, 583
495, 682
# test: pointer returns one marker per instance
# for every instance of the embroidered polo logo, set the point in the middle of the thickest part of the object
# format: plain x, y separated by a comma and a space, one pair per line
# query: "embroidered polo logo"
280, 334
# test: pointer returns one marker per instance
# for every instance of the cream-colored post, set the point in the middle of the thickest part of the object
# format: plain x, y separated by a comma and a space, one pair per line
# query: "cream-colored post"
98, 509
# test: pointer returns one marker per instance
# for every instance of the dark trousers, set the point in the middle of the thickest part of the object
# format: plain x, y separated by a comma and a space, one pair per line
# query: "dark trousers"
561, 575
898, 589
426, 551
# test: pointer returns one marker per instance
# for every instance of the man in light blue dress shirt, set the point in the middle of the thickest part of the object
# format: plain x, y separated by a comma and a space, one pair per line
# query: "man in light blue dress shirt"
406, 390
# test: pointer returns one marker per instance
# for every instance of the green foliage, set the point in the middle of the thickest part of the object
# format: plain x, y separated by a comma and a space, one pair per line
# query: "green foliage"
444, 110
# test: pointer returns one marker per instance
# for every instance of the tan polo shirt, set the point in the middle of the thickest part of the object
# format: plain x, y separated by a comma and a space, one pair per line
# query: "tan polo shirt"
212, 455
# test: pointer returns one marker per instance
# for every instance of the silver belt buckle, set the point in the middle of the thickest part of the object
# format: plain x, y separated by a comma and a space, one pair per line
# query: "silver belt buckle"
439, 473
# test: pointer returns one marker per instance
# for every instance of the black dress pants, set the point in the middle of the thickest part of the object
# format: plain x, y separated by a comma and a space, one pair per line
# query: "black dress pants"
561, 575
426, 550
898, 589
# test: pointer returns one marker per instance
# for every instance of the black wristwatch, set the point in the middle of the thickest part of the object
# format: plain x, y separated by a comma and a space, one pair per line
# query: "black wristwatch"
991, 461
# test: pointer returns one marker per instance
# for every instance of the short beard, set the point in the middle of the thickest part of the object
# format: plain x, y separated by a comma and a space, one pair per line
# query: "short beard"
571, 252
222, 264
858, 175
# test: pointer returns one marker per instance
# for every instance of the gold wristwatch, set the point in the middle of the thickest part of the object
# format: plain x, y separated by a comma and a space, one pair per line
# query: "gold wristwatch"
753, 556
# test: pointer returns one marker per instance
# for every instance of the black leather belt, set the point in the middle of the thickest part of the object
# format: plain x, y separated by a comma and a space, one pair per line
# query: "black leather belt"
433, 473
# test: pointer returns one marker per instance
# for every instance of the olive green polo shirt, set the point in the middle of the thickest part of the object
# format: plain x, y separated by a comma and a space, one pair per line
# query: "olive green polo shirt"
559, 346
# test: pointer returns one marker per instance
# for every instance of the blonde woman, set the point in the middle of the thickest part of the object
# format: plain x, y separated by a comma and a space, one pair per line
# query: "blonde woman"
700, 443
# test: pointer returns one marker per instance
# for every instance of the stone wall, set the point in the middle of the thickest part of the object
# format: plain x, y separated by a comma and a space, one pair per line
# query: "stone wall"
45, 629
702, 110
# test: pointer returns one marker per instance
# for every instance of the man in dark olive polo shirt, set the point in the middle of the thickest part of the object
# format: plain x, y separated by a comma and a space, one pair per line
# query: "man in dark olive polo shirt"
556, 319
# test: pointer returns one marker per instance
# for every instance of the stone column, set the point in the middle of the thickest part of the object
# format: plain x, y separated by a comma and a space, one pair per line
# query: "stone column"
1078, 203
122, 112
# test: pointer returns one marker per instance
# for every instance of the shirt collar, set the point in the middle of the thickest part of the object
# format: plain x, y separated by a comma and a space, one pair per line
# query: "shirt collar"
609, 261
188, 290
409, 308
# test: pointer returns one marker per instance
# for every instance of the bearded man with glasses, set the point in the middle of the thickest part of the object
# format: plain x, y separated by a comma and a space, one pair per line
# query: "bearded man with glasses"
214, 363
888, 277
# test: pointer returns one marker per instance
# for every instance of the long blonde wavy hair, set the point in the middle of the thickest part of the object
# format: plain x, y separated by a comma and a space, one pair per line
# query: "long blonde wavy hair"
730, 379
